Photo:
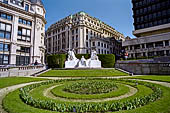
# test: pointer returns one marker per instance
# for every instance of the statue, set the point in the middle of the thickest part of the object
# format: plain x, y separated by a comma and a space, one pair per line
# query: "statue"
82, 63
94, 55
73, 62
71, 56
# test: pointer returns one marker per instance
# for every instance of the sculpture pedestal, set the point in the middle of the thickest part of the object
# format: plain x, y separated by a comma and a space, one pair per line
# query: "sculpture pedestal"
95, 64
71, 64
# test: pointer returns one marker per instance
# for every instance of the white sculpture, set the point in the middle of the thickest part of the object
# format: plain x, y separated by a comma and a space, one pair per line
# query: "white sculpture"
73, 62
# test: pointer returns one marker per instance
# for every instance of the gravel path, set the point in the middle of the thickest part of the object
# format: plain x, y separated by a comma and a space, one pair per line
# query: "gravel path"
48, 94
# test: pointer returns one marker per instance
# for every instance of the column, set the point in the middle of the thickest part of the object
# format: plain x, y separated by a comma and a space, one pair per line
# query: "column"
163, 43
14, 35
153, 45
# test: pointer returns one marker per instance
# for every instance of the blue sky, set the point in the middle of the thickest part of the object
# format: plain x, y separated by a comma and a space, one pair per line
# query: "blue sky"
116, 13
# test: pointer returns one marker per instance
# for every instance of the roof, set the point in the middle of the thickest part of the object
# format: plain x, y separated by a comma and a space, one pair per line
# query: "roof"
39, 2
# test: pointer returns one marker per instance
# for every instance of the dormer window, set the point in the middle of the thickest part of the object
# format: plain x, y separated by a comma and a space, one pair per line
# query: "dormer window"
26, 7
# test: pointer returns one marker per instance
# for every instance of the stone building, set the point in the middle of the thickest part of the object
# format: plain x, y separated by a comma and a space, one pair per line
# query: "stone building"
80, 32
152, 29
22, 32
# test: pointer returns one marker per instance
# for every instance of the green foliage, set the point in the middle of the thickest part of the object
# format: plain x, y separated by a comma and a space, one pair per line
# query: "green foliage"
90, 87
88, 107
56, 61
86, 56
59, 92
108, 60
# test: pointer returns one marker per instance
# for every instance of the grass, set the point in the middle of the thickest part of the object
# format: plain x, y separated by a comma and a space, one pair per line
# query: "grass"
83, 73
9, 81
154, 78
13, 104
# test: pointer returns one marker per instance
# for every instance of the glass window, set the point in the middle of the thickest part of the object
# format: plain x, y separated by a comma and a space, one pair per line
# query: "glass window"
2, 34
27, 7
5, 59
2, 26
20, 20
3, 15
24, 22
28, 39
28, 32
6, 47
8, 35
8, 28
1, 47
23, 31
19, 32
9, 17
29, 23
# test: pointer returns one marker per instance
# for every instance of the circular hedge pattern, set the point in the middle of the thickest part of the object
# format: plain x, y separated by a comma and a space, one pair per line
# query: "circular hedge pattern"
42, 102
90, 87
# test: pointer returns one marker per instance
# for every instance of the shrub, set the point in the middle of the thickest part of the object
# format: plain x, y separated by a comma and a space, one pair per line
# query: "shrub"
86, 56
108, 61
56, 61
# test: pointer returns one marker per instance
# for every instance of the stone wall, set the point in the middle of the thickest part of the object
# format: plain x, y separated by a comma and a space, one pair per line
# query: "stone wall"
145, 68
20, 71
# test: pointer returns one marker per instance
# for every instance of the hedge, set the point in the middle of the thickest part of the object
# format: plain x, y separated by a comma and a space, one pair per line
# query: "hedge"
108, 60
58, 61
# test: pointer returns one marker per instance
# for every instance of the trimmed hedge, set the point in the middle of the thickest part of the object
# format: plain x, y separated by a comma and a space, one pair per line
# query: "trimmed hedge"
108, 61
58, 61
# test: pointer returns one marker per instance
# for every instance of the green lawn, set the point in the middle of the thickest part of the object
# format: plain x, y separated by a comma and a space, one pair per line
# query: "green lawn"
9, 81
83, 73
13, 104
155, 78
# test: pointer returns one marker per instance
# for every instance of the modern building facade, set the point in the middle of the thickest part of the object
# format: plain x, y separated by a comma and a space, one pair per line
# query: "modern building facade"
22, 32
80, 32
152, 29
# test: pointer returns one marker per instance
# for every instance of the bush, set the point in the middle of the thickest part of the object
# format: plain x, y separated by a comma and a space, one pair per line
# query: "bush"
86, 56
56, 61
108, 61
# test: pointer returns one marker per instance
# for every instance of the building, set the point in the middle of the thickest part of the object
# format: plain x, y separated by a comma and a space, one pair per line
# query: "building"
152, 29
107, 46
80, 32
22, 32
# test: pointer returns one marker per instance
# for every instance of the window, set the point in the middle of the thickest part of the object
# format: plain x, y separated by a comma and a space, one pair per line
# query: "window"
98, 43
5, 1
26, 22
93, 43
5, 16
5, 31
27, 7
4, 47
4, 59
22, 60
24, 34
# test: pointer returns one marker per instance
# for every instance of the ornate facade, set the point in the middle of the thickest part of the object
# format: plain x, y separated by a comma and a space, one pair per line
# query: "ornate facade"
76, 32
22, 32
